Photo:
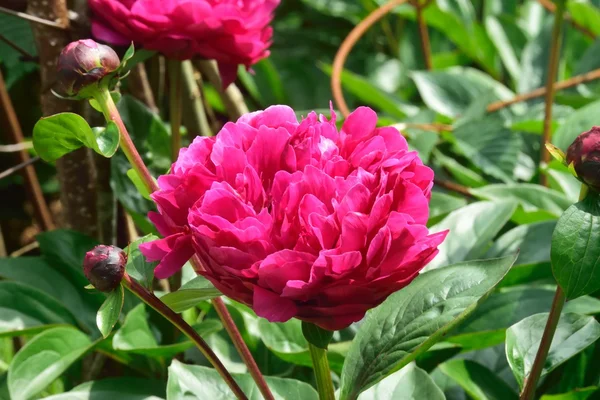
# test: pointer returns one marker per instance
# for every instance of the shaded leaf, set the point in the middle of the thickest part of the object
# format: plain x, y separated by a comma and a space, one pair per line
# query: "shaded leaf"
109, 312
573, 334
44, 359
478, 381
410, 383
193, 381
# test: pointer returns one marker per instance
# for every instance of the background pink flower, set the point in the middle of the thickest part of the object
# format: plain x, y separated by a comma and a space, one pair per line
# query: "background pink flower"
298, 219
233, 32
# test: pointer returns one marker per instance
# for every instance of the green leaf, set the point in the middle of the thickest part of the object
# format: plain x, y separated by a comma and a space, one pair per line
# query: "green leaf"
25, 309
452, 91
18, 31
115, 388
372, 95
137, 267
128, 54
509, 40
578, 122
488, 144
537, 203
478, 381
472, 228
38, 273
44, 359
135, 332
532, 241
315, 335
59, 134
288, 343
413, 319
573, 334
196, 382
139, 185
65, 250
487, 325
578, 394
109, 312
463, 175
190, 294
585, 14
442, 203
410, 383
575, 252
534, 58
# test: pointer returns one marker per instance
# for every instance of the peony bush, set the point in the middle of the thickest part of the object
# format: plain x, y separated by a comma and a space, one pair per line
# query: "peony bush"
285, 254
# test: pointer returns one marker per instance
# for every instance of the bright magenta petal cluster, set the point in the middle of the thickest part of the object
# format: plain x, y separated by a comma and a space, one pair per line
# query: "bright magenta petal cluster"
233, 32
298, 219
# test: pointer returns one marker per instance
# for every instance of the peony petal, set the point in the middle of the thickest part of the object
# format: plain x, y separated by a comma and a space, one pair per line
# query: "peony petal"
274, 308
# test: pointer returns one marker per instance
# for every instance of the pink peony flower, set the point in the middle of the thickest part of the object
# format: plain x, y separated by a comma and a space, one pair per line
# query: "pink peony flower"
298, 219
233, 32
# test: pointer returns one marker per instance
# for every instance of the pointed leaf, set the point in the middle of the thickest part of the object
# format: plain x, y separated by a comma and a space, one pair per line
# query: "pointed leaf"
413, 319
575, 252
190, 294
137, 267
109, 312
472, 228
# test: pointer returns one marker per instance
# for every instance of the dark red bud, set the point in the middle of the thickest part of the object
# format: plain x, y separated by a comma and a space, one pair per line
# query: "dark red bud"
584, 153
83, 63
104, 267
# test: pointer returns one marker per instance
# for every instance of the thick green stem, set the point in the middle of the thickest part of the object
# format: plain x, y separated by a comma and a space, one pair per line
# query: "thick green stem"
550, 89
322, 372
175, 106
111, 113
160, 307
540, 358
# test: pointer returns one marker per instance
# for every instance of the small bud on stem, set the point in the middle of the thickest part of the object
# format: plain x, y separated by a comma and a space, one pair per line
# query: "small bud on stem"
584, 154
85, 63
104, 267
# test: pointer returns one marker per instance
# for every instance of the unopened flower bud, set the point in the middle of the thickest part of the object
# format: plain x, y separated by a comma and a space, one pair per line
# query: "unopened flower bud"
584, 153
104, 267
83, 63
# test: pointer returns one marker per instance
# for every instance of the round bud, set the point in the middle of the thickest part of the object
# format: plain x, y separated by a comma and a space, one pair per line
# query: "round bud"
584, 153
104, 267
83, 63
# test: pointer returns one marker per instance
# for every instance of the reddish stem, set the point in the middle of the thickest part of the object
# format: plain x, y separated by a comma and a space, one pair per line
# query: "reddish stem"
160, 307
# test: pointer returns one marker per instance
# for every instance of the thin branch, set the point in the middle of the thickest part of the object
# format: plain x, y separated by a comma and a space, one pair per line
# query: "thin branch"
8, 118
13, 148
25, 249
17, 167
550, 6
346, 48
423, 33
539, 92
27, 56
31, 18
453, 187
550, 89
